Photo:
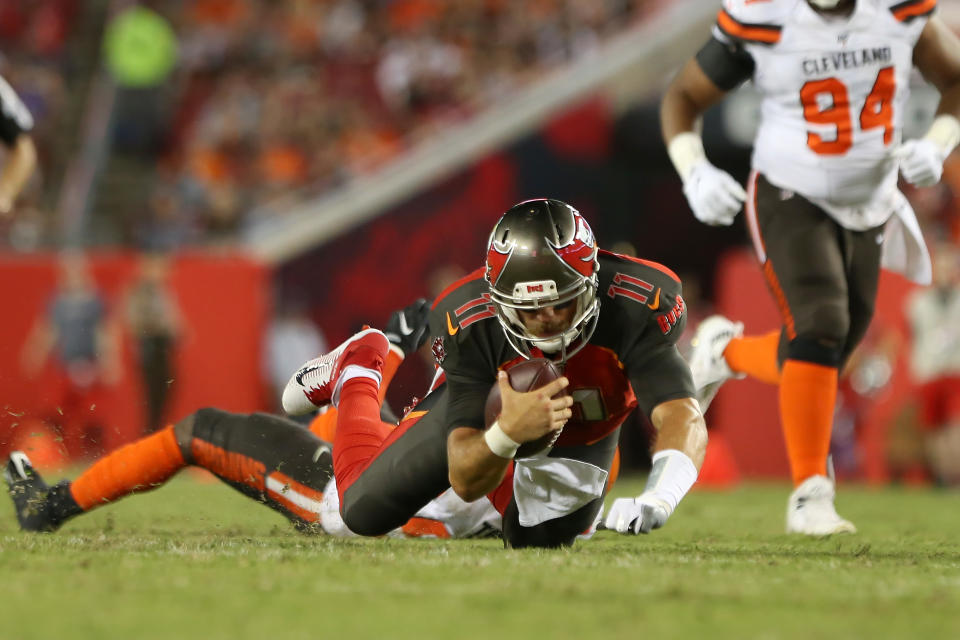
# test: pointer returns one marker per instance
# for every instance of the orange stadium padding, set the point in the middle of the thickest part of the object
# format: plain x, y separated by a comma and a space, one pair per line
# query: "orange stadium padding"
224, 301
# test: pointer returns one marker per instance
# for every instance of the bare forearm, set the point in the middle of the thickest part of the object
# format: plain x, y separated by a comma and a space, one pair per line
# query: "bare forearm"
678, 113
17, 169
680, 426
474, 470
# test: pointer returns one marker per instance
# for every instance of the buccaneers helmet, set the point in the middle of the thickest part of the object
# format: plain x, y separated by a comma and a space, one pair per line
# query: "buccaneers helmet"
543, 253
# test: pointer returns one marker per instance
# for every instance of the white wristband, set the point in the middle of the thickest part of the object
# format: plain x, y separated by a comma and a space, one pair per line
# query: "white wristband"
500, 443
686, 150
945, 133
672, 475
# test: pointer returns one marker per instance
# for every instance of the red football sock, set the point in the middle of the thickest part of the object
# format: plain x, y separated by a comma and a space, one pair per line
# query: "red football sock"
133, 468
755, 356
808, 393
360, 432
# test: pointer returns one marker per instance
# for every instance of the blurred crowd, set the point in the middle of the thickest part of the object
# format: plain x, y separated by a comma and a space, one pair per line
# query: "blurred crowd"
284, 100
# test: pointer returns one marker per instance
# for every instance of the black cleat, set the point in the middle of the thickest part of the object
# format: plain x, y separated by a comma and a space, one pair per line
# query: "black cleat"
29, 493
408, 328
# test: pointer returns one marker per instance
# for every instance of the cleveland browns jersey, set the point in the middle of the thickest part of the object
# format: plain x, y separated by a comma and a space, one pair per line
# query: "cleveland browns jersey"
834, 91
630, 360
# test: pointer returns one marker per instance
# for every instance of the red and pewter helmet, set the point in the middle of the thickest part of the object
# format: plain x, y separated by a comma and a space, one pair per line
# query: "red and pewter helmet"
543, 253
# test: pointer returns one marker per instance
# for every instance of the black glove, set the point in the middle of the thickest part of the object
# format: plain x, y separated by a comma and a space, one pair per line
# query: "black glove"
408, 328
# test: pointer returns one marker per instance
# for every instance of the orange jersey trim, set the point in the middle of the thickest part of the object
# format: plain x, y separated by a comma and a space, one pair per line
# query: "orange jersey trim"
905, 11
762, 33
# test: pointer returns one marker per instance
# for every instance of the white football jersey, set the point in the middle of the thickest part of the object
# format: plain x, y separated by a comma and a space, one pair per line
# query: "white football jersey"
834, 91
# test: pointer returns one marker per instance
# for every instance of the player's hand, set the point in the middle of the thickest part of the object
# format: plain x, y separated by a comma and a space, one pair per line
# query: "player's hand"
525, 417
921, 162
637, 515
713, 194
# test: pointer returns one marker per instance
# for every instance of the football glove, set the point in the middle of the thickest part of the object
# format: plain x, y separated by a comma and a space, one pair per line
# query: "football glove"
921, 162
714, 196
408, 328
637, 515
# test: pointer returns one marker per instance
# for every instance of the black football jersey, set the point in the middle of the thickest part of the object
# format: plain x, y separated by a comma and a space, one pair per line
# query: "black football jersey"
631, 360
14, 116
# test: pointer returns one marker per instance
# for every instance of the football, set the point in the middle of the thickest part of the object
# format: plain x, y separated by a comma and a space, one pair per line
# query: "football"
525, 376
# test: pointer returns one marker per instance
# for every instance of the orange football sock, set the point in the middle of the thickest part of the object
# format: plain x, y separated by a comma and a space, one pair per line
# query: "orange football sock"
808, 393
324, 425
755, 356
138, 466
390, 365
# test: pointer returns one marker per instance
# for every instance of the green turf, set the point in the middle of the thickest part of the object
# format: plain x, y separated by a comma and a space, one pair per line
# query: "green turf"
196, 560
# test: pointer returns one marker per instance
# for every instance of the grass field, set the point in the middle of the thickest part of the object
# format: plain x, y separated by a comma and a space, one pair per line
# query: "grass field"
196, 560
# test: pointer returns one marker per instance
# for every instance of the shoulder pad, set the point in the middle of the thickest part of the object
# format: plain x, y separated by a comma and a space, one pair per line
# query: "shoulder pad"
645, 291
754, 21
464, 302
909, 10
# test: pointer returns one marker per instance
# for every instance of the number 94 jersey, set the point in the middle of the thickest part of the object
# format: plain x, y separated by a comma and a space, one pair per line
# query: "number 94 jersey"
834, 91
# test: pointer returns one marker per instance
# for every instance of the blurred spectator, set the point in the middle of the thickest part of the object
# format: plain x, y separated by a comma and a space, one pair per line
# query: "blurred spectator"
154, 321
74, 344
292, 339
934, 317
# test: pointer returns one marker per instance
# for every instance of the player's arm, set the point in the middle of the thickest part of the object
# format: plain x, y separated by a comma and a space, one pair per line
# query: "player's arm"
679, 448
714, 196
937, 56
15, 124
478, 459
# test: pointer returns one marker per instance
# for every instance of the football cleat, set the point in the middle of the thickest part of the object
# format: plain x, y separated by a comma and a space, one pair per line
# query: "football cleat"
407, 328
810, 509
317, 383
29, 493
707, 365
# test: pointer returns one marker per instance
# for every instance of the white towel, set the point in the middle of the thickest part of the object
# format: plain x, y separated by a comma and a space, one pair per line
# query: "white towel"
904, 250
548, 488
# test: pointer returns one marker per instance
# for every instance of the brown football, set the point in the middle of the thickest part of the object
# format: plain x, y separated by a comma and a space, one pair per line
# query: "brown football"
525, 376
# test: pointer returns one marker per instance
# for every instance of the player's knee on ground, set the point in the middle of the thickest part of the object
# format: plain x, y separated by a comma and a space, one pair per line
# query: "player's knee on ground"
366, 516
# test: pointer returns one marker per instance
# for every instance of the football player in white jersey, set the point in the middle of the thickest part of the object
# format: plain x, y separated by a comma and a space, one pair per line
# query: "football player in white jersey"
15, 126
822, 203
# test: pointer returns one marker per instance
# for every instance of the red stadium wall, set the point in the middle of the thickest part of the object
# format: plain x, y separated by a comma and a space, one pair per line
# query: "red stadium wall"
224, 303
745, 411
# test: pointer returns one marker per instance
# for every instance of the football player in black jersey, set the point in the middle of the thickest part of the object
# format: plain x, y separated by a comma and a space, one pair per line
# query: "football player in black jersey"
610, 321
15, 125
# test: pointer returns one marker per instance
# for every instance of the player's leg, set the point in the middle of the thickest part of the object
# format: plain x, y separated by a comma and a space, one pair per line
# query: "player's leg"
557, 531
385, 473
806, 269
139, 466
267, 458
270, 459
865, 249
384, 484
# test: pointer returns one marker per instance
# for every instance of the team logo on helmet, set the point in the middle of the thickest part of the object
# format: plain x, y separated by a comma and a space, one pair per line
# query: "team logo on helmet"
580, 252
497, 255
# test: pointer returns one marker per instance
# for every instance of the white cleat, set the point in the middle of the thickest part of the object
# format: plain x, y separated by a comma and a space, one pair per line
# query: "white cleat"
707, 365
810, 509
317, 383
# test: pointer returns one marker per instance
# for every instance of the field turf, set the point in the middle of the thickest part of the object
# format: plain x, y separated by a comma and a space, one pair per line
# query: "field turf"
196, 560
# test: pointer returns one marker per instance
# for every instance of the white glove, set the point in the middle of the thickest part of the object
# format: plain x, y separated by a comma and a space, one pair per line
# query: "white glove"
713, 194
921, 162
637, 515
